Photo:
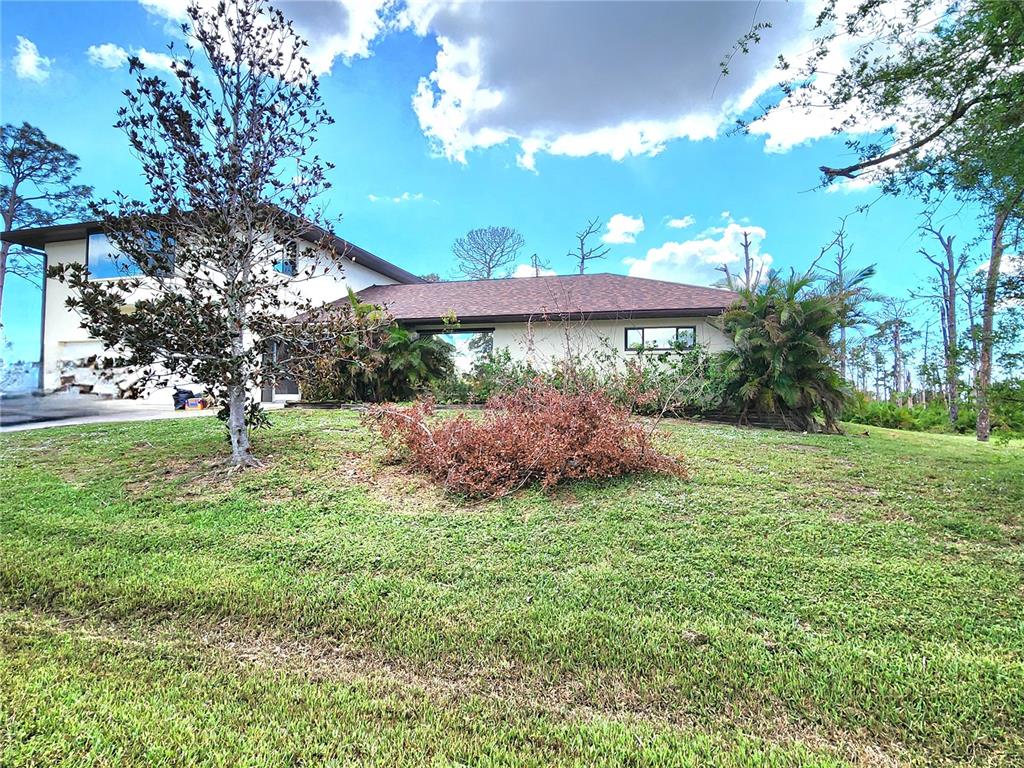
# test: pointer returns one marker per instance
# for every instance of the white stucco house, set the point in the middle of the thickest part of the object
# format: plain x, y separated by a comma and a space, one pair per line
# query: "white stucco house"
541, 319
537, 318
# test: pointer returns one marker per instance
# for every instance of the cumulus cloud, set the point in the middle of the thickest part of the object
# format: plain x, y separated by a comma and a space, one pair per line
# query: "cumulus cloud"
107, 55
623, 229
575, 79
698, 260
405, 197
527, 270
28, 63
333, 28
681, 223
541, 74
111, 56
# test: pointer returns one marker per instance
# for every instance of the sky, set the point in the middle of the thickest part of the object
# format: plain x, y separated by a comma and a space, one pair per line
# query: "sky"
536, 115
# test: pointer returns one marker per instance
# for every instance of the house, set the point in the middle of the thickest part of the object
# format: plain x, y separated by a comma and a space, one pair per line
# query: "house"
66, 347
537, 319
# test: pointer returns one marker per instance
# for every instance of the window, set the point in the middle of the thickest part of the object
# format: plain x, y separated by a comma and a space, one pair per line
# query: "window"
288, 264
103, 260
660, 338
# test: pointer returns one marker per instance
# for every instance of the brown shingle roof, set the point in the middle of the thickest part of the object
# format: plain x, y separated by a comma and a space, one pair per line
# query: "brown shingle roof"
523, 298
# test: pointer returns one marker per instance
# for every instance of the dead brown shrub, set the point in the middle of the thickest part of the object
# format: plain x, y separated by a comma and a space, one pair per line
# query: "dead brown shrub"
535, 434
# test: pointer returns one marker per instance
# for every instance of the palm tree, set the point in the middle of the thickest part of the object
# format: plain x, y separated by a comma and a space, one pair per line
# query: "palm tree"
780, 361
851, 293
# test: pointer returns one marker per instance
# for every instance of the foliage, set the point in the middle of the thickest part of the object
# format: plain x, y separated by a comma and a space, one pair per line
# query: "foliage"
157, 611
943, 83
679, 382
226, 154
1006, 397
37, 189
780, 362
380, 361
534, 434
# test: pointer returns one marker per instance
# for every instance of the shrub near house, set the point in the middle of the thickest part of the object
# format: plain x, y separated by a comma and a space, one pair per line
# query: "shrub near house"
535, 434
781, 360
381, 362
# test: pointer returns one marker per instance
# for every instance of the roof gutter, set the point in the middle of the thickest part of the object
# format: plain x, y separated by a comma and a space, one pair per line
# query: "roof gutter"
38, 237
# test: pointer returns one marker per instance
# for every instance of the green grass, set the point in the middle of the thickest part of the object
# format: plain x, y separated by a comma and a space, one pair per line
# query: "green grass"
804, 600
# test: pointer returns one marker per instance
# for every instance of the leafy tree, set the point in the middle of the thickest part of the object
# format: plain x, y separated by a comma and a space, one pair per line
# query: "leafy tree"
227, 157
946, 81
481, 345
780, 361
38, 189
488, 252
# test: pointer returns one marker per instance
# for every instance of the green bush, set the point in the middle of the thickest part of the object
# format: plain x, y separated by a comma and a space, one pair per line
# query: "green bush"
381, 362
684, 381
1006, 397
781, 357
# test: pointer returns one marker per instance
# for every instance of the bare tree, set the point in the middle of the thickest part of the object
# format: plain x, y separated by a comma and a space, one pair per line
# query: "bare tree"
38, 189
948, 268
487, 252
537, 264
231, 188
752, 273
584, 251
849, 288
895, 328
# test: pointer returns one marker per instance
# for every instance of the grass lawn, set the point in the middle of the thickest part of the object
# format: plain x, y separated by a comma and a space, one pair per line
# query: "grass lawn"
803, 600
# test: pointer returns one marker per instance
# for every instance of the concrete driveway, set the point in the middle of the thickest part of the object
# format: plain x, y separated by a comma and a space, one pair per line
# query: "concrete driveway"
22, 412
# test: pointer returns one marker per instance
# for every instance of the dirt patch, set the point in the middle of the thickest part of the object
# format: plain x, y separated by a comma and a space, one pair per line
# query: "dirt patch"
842, 516
193, 478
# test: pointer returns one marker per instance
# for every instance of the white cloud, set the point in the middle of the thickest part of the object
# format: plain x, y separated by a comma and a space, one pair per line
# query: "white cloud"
681, 223
112, 56
333, 28
527, 270
539, 74
623, 229
405, 197
793, 123
697, 260
1010, 264
107, 55
725, 215
28, 63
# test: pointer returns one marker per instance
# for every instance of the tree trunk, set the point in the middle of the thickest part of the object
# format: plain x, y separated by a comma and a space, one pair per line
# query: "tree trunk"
842, 351
897, 364
983, 426
238, 430
3, 274
238, 399
952, 342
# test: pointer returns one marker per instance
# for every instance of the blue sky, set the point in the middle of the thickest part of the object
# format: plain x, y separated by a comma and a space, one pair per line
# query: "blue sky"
411, 178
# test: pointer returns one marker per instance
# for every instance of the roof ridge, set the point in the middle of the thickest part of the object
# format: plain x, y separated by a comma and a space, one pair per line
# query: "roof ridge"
486, 280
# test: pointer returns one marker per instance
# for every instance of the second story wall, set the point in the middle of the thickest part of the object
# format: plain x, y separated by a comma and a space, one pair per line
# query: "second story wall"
65, 342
